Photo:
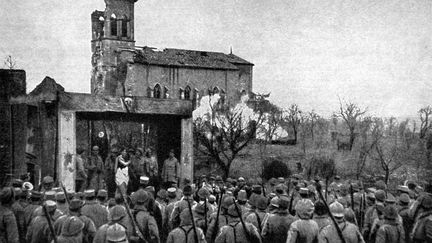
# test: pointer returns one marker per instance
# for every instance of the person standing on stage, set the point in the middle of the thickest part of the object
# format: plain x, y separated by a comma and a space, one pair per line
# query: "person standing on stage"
170, 172
121, 169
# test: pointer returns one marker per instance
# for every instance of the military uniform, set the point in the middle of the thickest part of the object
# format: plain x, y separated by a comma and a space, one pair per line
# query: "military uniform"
146, 222
38, 231
96, 212
276, 227
304, 229
350, 233
234, 232
8, 226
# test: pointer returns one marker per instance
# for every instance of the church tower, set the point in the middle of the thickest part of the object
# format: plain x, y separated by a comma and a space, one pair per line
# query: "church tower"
112, 31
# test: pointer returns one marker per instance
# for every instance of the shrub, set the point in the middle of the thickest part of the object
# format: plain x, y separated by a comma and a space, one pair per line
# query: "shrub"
274, 169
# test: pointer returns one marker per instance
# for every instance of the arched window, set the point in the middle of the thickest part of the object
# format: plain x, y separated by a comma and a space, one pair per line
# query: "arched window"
215, 90
166, 93
149, 92
157, 92
113, 22
181, 94
196, 94
100, 27
124, 27
187, 93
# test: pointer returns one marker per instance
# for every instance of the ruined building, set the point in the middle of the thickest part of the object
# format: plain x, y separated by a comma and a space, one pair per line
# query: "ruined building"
140, 98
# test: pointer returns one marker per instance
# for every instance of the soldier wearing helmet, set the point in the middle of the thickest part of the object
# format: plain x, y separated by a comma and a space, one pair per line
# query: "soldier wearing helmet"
145, 221
93, 209
185, 232
72, 230
391, 231
276, 226
116, 233
38, 230
227, 201
350, 232
304, 229
8, 229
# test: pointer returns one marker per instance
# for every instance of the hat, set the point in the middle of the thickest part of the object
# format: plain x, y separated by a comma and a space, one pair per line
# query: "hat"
304, 191
47, 179
95, 148
50, 195
283, 202
232, 211
141, 196
35, 195
116, 213
390, 199
60, 196
261, 202
187, 190
380, 195
304, 208
427, 202
404, 199
403, 189
370, 195
89, 193
218, 178
242, 196
162, 193
17, 183
203, 193
281, 180
144, 179
380, 185
227, 201
75, 204
272, 181
72, 226
256, 189
172, 192
102, 193
274, 202
337, 209
116, 233
240, 179
212, 198
50, 205
390, 212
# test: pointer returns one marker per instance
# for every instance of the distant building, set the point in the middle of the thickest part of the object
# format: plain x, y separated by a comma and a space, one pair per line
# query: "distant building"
121, 68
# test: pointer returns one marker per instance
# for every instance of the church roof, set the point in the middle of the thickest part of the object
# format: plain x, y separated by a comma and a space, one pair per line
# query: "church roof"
189, 58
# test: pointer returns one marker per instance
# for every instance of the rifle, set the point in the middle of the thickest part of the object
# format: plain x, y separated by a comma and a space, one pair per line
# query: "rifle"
291, 202
241, 221
213, 236
339, 231
326, 192
128, 211
66, 195
193, 221
205, 215
352, 197
50, 225
263, 189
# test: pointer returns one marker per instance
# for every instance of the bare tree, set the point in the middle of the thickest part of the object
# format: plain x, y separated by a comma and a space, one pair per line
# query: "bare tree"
9, 62
225, 135
425, 124
351, 114
292, 119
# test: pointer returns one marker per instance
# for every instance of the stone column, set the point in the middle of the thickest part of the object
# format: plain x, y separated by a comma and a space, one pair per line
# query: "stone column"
67, 149
186, 158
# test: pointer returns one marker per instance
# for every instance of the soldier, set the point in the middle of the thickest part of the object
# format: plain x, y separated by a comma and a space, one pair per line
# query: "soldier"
39, 230
422, 229
92, 209
95, 167
81, 175
146, 222
117, 215
234, 231
185, 232
372, 213
89, 229
277, 224
169, 208
62, 206
350, 232
304, 229
35, 202
8, 226
391, 231
116, 233
242, 199
72, 231
222, 219
180, 206
257, 216
403, 211
170, 170
321, 215
18, 211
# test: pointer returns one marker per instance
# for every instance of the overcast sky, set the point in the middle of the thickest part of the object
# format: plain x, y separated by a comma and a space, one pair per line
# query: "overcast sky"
310, 52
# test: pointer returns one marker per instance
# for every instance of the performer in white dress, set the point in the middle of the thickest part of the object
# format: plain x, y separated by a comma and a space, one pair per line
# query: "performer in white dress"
122, 170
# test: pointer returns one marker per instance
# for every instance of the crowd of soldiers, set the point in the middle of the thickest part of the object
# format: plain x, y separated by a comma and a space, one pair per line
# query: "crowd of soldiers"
213, 210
